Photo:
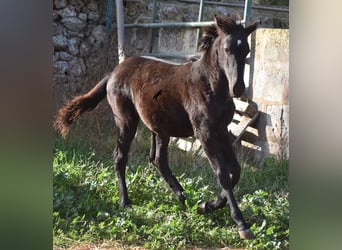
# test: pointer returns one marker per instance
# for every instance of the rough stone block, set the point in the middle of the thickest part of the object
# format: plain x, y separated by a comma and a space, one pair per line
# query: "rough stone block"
73, 46
60, 67
60, 42
68, 12
73, 23
60, 4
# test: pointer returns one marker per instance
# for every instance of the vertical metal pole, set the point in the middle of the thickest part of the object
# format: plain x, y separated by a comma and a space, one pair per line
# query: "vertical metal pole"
249, 68
121, 29
200, 16
154, 12
109, 15
247, 11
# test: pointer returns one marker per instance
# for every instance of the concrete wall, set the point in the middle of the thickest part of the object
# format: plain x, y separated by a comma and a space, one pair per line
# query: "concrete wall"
268, 90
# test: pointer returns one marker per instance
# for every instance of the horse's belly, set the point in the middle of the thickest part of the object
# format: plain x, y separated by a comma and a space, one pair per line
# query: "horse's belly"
171, 120
175, 124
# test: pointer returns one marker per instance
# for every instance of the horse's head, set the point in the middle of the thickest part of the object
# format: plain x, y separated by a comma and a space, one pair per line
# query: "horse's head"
230, 49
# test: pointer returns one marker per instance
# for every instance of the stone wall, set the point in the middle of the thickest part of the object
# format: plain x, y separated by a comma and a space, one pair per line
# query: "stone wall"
80, 46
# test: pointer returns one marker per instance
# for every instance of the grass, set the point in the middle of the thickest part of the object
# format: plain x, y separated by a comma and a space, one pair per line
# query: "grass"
86, 210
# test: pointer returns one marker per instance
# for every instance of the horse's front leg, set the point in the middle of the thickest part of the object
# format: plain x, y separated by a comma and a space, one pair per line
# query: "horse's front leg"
234, 174
211, 141
161, 162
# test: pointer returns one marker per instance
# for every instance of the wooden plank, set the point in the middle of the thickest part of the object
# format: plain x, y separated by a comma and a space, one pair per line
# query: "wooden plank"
233, 127
237, 117
251, 146
244, 108
239, 128
250, 135
187, 144
245, 127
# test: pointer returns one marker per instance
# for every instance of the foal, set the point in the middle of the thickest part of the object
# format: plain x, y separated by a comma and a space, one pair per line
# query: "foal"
193, 99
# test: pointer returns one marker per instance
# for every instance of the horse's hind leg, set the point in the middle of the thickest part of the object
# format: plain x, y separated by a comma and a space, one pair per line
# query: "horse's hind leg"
161, 163
126, 121
153, 148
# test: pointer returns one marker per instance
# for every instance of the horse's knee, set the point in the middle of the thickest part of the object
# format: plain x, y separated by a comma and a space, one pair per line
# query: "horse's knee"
120, 159
235, 177
235, 173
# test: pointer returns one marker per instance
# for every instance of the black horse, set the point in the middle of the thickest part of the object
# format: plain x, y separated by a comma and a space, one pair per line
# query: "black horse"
192, 99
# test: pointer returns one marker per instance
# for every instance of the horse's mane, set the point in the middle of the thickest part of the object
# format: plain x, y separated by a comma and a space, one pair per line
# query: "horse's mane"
230, 23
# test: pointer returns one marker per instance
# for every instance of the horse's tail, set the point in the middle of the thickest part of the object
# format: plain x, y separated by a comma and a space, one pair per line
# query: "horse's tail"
79, 104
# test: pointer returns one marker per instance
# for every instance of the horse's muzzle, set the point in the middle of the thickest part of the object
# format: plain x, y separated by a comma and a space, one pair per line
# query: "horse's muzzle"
238, 89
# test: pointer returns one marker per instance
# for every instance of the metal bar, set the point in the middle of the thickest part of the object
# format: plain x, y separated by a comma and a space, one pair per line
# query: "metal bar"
170, 55
154, 12
270, 8
247, 11
121, 30
260, 7
169, 25
109, 15
200, 16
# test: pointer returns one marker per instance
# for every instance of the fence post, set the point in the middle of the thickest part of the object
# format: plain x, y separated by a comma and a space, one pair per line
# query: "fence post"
121, 29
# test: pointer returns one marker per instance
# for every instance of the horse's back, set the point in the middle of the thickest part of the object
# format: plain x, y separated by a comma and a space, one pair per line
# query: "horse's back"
156, 88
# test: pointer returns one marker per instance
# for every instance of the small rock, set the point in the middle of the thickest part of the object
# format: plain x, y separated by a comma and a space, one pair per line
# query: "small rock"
171, 12
58, 29
85, 49
60, 4
69, 12
73, 46
82, 16
99, 33
93, 16
60, 42
139, 44
60, 67
73, 23
77, 66
65, 56
55, 56
92, 6
55, 15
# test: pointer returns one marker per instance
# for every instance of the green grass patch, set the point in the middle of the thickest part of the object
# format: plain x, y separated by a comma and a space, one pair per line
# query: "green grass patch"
86, 210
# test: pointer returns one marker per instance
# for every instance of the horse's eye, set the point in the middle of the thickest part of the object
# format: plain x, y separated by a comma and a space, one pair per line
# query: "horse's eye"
227, 50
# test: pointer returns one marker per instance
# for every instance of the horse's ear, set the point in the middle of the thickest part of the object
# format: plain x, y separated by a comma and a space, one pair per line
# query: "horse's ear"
220, 22
251, 28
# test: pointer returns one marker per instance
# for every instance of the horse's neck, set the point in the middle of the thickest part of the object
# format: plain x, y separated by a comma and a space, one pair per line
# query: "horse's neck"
210, 70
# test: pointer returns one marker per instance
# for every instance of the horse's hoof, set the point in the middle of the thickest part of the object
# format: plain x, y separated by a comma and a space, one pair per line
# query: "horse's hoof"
246, 234
201, 209
126, 205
